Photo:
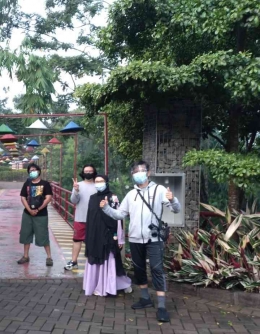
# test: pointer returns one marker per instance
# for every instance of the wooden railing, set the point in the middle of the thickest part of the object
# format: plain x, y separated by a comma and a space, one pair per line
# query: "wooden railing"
61, 202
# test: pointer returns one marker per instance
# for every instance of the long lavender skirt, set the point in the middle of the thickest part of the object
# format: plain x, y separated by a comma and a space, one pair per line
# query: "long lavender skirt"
102, 279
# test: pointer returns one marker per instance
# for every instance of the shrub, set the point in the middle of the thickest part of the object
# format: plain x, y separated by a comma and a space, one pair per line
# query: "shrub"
227, 255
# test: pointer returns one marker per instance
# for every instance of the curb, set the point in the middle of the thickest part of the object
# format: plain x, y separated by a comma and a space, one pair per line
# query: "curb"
236, 298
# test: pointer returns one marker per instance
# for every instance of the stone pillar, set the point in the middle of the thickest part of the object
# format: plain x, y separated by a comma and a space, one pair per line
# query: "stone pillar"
169, 133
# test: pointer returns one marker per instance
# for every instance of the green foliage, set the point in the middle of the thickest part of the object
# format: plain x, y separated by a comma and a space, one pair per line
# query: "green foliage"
237, 74
218, 193
241, 169
203, 50
37, 77
225, 256
8, 17
125, 125
125, 122
219, 18
175, 30
42, 33
9, 175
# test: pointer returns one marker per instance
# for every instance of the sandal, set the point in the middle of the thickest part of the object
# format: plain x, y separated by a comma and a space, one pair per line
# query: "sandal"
23, 260
49, 262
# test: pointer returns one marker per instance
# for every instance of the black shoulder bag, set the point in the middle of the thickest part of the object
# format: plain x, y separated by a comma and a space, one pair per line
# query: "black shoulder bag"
163, 230
34, 202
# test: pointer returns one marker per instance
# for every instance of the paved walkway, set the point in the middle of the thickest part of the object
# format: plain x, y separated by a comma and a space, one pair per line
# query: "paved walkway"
60, 239
37, 300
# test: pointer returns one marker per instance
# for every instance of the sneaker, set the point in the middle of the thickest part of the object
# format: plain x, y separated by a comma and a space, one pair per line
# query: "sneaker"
23, 260
162, 315
49, 262
128, 290
71, 265
143, 303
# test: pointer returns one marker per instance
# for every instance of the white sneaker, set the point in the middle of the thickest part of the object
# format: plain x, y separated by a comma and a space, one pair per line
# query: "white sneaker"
128, 290
71, 265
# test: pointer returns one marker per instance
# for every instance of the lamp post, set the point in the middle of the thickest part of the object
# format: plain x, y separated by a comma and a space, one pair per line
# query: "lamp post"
55, 141
106, 142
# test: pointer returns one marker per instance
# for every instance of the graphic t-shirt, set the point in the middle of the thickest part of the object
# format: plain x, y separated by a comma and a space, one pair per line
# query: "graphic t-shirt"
42, 188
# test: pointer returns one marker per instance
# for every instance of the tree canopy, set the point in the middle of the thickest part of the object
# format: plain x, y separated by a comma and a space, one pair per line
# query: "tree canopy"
206, 51
45, 33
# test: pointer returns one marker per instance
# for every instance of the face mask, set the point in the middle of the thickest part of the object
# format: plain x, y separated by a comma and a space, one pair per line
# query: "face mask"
34, 174
140, 177
88, 176
100, 186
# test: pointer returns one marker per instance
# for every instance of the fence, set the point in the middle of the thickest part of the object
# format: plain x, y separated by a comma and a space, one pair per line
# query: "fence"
61, 203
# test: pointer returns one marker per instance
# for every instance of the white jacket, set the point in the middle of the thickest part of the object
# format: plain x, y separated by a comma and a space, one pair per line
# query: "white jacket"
140, 215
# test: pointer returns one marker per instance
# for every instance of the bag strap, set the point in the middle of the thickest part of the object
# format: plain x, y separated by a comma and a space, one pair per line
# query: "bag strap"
148, 205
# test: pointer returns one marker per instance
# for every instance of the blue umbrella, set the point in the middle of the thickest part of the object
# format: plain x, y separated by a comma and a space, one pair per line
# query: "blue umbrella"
33, 143
72, 127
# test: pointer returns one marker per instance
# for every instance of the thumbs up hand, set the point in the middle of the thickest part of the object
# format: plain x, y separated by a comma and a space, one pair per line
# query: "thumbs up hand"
169, 195
103, 203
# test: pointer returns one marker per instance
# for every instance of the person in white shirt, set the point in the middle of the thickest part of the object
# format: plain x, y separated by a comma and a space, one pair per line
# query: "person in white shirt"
142, 239
81, 193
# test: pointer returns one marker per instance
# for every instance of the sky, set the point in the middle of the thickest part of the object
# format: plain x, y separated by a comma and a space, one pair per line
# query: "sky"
68, 36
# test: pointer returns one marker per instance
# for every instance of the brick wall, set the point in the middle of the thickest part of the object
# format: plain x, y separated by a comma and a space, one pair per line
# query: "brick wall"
169, 133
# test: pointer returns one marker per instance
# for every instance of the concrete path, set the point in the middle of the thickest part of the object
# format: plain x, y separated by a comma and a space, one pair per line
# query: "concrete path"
11, 250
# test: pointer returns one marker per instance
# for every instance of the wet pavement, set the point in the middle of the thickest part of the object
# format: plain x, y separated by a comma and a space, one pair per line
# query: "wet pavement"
11, 250
35, 299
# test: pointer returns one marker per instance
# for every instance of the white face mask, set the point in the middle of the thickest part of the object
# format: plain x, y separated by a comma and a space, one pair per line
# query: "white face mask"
100, 186
140, 177
34, 174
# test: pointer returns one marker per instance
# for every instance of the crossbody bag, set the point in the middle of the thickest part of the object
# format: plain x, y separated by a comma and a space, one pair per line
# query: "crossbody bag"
163, 230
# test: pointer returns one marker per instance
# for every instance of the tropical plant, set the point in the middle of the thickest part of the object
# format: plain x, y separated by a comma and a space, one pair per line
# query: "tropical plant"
225, 256
242, 170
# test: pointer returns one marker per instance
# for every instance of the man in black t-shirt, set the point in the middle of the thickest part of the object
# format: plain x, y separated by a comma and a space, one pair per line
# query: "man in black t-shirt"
36, 194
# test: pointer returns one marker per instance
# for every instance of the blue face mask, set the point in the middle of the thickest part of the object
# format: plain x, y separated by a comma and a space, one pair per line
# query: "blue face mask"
140, 177
100, 186
34, 174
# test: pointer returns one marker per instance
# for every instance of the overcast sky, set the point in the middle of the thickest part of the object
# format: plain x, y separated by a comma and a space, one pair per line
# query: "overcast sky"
68, 36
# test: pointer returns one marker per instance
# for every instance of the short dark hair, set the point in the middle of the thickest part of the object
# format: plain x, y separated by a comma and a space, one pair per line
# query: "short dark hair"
138, 163
88, 165
34, 166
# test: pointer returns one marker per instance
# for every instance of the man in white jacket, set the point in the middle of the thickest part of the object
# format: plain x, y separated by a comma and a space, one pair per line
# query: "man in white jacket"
143, 241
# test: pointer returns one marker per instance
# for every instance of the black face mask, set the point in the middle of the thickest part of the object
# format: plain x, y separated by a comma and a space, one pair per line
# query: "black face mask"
88, 176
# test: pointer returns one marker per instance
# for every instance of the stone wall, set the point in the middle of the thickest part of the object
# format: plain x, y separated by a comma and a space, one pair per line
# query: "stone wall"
169, 133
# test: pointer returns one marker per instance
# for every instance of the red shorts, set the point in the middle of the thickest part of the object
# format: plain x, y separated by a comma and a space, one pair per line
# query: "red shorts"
79, 231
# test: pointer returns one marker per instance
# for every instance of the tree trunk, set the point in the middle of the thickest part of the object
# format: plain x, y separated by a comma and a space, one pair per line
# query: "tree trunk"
203, 188
233, 146
233, 196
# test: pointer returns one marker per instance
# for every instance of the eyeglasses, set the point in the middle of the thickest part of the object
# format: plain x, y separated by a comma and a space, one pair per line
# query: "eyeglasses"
139, 170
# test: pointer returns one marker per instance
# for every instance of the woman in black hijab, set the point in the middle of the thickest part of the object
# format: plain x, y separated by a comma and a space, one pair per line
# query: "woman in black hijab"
104, 272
